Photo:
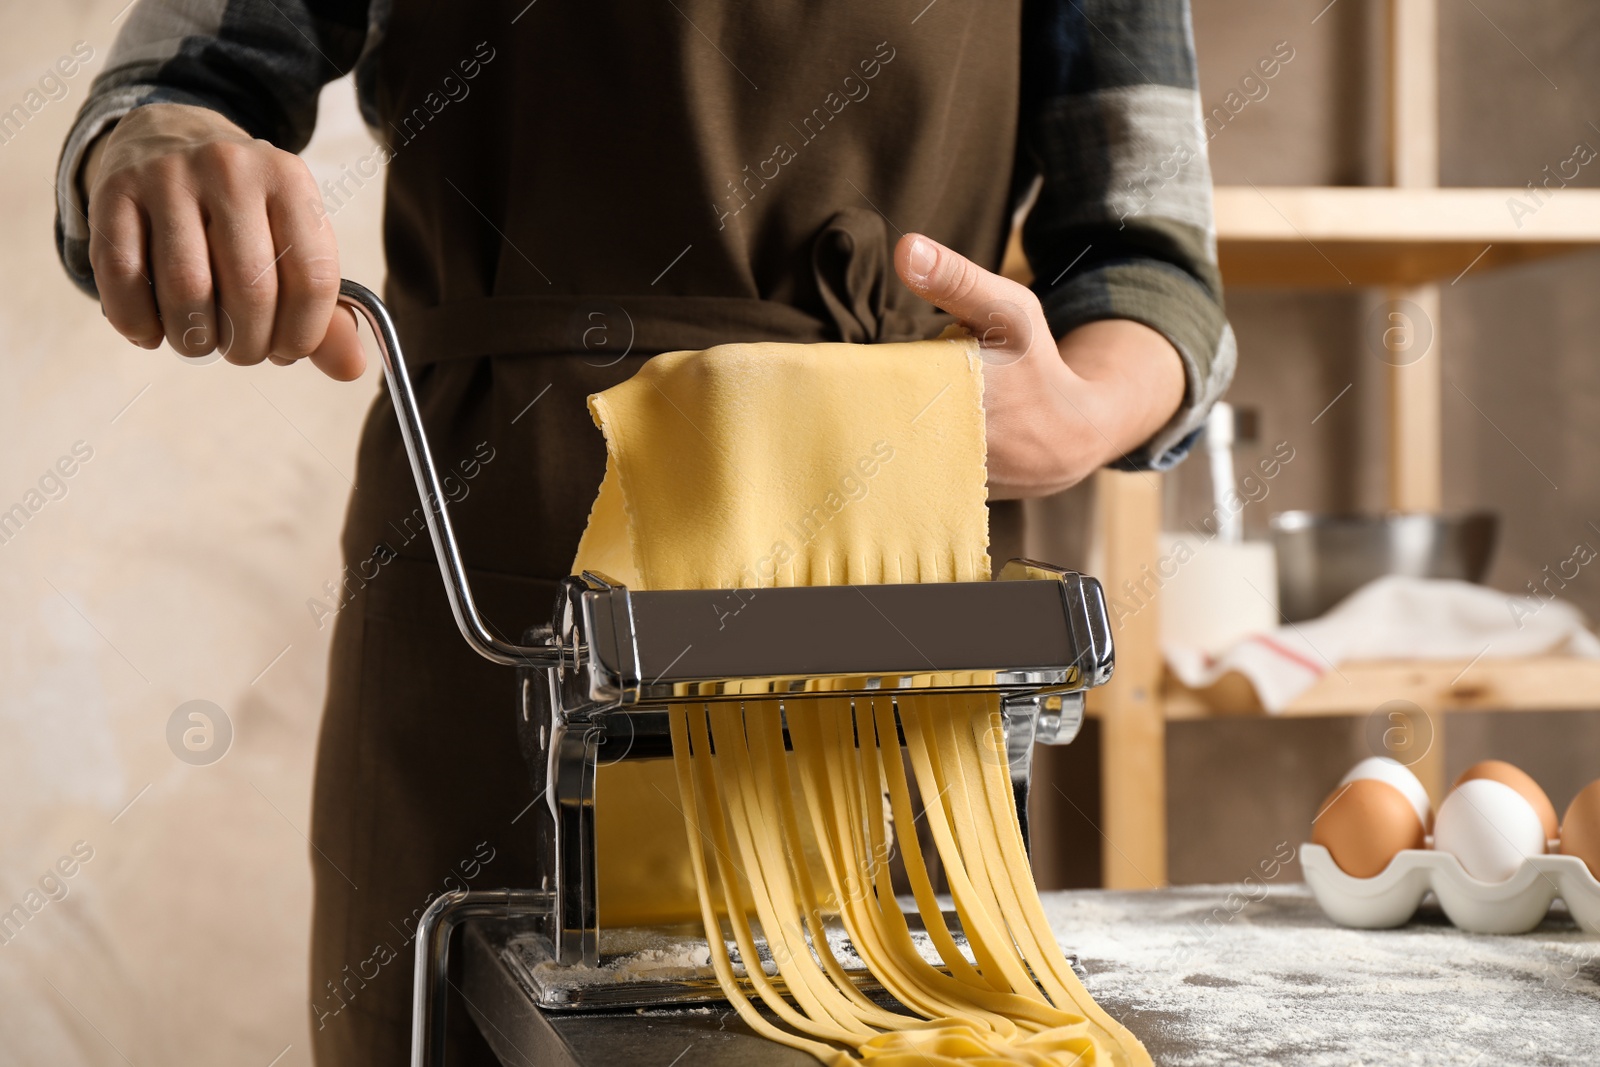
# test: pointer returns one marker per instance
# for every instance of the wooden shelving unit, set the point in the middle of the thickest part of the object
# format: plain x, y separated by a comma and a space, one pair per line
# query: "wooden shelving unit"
1408, 238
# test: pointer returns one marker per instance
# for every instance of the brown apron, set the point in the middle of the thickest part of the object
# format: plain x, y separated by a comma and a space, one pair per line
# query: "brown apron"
572, 188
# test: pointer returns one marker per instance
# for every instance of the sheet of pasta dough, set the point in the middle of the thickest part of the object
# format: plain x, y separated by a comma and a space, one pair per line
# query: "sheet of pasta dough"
777, 464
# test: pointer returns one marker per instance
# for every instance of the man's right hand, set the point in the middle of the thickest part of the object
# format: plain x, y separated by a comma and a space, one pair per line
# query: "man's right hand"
216, 241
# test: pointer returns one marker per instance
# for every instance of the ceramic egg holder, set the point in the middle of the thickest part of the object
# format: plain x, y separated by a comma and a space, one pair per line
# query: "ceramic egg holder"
1391, 897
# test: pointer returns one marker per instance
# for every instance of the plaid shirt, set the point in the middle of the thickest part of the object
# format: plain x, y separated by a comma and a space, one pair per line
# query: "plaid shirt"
1112, 150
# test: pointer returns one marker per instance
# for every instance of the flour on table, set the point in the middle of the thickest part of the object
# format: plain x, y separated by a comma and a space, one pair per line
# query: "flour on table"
1208, 976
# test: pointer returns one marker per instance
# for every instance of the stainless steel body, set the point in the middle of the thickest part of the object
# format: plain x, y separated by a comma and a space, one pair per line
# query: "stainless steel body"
594, 684
1324, 558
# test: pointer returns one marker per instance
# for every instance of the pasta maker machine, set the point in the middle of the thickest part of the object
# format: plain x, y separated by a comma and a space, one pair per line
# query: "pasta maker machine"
594, 682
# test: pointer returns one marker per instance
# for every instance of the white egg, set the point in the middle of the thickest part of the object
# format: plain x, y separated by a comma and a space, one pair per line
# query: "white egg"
1397, 774
1489, 827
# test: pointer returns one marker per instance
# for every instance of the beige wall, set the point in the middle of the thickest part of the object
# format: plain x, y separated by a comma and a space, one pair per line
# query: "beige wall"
176, 567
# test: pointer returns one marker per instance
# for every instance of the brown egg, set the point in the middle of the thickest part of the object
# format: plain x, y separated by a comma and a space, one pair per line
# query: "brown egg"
1363, 824
1580, 827
1500, 771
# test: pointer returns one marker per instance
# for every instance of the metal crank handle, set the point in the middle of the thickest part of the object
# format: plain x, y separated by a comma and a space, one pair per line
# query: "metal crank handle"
434, 503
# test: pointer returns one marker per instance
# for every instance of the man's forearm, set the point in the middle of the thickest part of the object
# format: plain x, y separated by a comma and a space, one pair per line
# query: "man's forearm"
1122, 227
1137, 371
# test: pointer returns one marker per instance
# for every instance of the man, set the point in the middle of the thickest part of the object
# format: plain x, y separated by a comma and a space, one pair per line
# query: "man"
570, 189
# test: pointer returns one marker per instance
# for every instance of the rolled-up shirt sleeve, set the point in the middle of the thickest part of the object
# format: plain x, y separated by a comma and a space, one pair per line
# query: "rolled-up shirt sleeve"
1121, 228
261, 63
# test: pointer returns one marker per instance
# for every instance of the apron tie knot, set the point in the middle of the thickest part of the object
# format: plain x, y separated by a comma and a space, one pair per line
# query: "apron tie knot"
852, 262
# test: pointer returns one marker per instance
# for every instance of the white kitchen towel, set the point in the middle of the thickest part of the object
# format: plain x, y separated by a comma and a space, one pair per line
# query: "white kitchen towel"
1393, 618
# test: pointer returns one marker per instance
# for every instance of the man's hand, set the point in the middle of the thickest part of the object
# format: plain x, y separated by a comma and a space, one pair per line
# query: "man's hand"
1055, 413
213, 239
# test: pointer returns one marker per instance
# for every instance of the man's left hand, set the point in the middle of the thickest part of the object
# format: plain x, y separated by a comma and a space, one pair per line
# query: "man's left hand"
1055, 412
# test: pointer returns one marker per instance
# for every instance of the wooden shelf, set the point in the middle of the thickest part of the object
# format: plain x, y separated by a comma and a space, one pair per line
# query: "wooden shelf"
1329, 237
1542, 683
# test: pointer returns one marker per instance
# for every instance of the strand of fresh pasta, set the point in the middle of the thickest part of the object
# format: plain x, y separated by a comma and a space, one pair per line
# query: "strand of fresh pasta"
738, 795
915, 866
960, 1034
832, 797
767, 734
1043, 952
1000, 1011
974, 844
984, 927
705, 772
976, 1004
776, 904
1001, 840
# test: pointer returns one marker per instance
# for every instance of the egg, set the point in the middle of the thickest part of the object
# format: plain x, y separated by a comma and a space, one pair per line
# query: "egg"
1490, 827
1500, 771
1364, 823
1397, 774
1580, 827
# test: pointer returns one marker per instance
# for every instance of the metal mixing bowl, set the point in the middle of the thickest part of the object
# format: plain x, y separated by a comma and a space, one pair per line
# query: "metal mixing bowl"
1324, 558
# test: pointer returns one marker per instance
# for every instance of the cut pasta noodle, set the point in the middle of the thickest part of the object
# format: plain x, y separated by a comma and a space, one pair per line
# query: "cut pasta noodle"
1021, 1002
783, 803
